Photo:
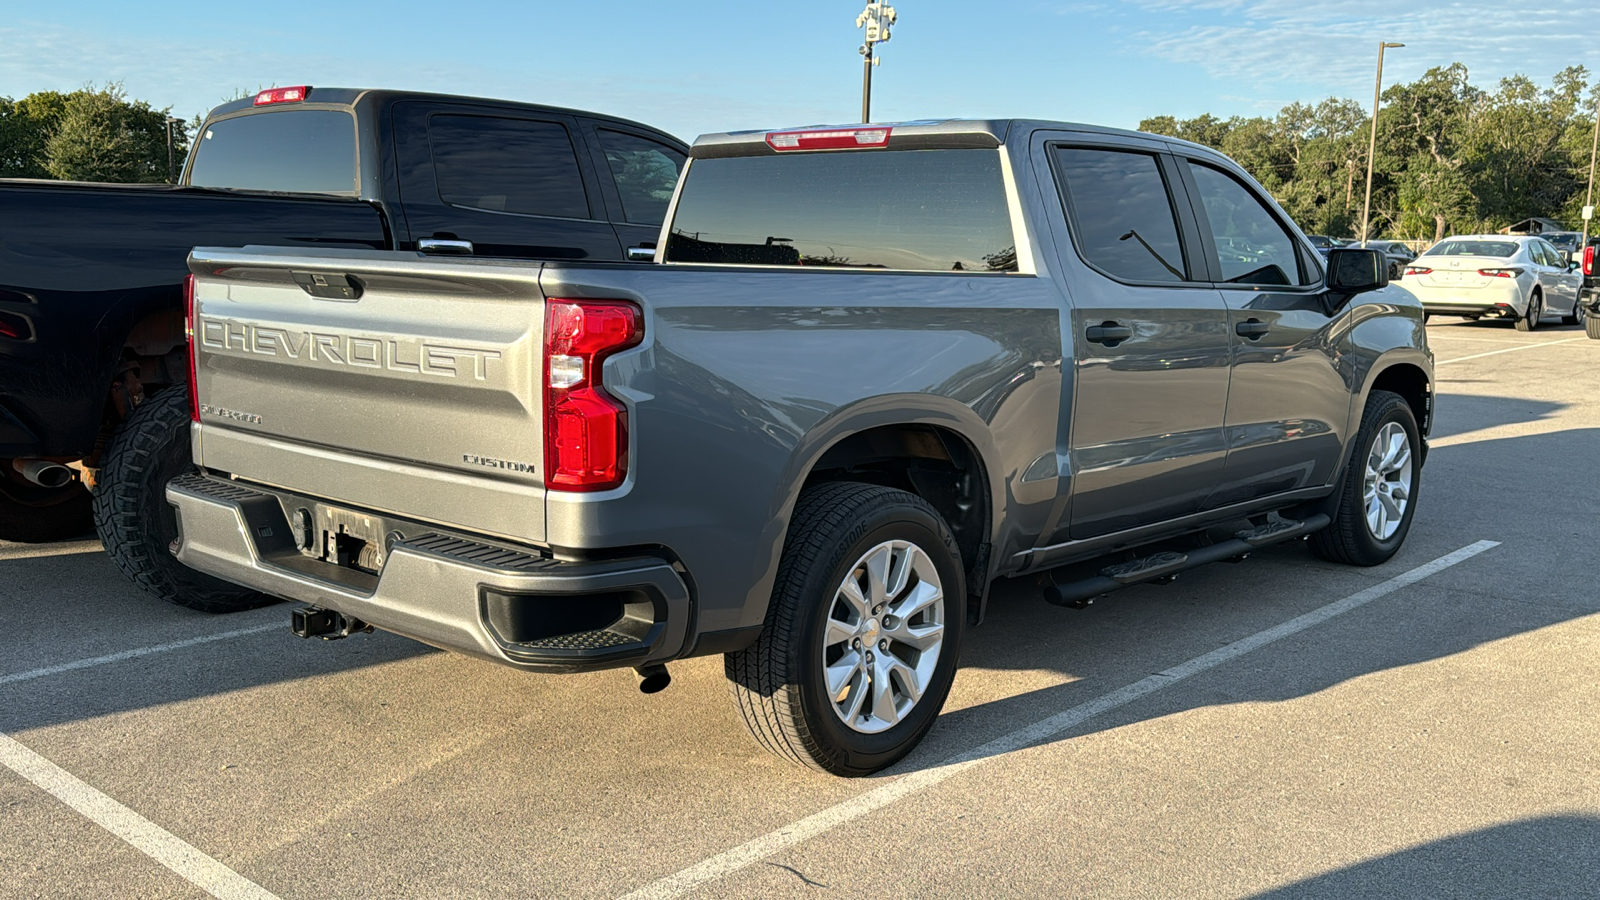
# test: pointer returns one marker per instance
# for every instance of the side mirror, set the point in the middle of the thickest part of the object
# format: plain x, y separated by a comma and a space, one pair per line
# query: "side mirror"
1355, 271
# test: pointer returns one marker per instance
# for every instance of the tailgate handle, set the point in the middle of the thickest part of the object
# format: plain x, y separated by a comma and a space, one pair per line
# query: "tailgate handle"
444, 245
328, 286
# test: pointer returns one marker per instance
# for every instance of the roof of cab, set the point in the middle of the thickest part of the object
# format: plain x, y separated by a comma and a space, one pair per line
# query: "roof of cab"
318, 96
920, 134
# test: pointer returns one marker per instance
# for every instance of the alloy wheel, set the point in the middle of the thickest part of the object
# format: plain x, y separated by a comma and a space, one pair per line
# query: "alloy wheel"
883, 635
1387, 489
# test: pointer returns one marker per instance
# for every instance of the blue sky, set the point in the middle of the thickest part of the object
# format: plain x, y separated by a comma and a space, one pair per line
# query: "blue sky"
693, 67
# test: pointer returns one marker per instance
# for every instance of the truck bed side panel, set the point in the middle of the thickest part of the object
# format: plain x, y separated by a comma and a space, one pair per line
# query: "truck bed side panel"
750, 374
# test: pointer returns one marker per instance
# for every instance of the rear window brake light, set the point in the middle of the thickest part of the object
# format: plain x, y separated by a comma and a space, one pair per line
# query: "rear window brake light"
829, 139
283, 95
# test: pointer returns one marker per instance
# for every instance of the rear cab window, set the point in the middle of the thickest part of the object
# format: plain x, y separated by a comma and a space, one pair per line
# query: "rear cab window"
311, 151
645, 173
918, 210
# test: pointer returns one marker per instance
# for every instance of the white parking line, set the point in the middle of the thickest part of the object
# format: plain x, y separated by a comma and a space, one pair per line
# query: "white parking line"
1446, 362
754, 851
131, 654
146, 836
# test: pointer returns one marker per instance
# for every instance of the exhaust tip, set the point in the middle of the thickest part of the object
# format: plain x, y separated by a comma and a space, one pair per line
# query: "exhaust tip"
43, 473
653, 679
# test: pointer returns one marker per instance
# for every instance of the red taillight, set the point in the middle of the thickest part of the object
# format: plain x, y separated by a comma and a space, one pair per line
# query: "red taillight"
283, 95
1588, 260
194, 349
1417, 270
1500, 273
829, 139
585, 429
14, 327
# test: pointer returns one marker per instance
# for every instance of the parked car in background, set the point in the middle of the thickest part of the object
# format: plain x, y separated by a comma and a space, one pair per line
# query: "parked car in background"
876, 368
92, 349
1323, 243
1398, 254
1569, 242
1518, 277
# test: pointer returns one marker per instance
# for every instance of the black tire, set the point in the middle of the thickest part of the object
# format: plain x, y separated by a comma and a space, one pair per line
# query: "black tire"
1535, 312
134, 520
1591, 325
34, 515
778, 682
1575, 317
1395, 272
1348, 539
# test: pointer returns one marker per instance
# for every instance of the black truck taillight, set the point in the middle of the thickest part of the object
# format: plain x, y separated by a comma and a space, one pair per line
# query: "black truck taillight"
194, 348
585, 428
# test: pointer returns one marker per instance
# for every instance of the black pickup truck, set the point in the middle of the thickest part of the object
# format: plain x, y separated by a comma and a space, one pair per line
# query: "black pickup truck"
91, 275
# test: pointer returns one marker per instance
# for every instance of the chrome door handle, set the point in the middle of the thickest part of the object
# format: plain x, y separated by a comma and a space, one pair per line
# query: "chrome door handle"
642, 253
442, 245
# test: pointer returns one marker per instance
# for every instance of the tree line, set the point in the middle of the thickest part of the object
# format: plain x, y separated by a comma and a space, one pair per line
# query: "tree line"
92, 134
1451, 158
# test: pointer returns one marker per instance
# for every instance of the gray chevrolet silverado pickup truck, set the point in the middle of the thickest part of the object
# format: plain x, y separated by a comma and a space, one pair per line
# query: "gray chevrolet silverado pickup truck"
874, 369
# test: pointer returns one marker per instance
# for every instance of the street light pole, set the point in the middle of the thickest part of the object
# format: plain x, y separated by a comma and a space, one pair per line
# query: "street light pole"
1588, 198
1372, 143
876, 19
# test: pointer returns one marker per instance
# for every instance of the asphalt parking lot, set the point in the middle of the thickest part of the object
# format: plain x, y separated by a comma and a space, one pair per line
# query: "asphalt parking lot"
1282, 728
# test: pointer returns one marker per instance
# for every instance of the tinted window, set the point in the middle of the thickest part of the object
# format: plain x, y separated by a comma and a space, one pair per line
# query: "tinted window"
1473, 248
507, 165
903, 209
299, 150
1551, 257
1122, 214
645, 173
1252, 247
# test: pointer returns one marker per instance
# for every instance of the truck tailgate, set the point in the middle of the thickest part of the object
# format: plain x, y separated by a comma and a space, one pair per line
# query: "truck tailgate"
384, 381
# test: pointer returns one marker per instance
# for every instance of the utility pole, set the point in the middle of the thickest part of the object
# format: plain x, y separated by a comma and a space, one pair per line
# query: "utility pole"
876, 18
172, 163
1372, 144
1588, 198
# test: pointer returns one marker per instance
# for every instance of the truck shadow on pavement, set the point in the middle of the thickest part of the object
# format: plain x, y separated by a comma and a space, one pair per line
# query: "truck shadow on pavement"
1551, 856
1537, 578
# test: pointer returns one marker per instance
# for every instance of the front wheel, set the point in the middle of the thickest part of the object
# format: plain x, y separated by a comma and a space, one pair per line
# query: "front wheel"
1577, 316
859, 647
1379, 491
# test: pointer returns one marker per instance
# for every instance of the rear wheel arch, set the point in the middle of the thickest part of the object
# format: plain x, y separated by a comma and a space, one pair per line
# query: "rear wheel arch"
931, 456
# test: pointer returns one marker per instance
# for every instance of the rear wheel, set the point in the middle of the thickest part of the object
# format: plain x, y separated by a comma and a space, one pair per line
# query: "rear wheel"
1535, 312
1394, 271
33, 514
135, 522
1591, 325
859, 648
1379, 491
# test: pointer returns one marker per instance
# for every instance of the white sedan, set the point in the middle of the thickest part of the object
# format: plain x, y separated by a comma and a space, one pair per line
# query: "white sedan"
1518, 277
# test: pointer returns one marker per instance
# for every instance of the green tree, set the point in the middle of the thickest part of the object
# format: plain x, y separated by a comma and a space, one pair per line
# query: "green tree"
101, 136
25, 128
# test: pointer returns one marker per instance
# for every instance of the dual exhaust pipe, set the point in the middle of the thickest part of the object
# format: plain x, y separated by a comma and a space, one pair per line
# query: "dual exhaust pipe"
42, 472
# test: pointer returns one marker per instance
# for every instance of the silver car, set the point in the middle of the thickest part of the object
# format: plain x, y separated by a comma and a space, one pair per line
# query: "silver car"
1518, 277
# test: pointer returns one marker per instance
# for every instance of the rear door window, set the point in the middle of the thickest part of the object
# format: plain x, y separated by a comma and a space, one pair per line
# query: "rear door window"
1253, 247
309, 151
1121, 212
930, 210
507, 165
645, 173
